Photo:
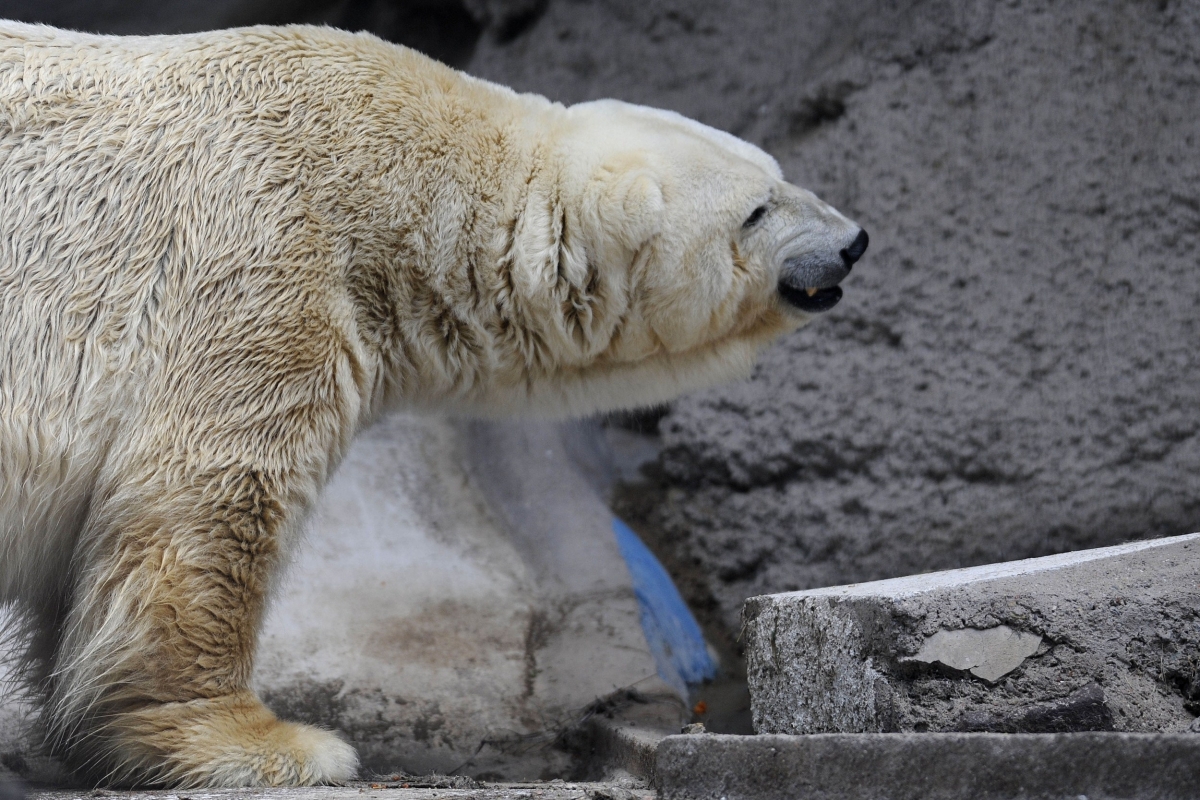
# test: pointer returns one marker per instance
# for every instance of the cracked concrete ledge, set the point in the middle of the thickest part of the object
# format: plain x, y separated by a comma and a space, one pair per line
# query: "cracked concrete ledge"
930, 766
362, 790
618, 740
621, 747
1102, 639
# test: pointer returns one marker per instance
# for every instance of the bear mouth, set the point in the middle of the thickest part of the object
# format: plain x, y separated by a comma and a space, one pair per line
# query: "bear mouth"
811, 300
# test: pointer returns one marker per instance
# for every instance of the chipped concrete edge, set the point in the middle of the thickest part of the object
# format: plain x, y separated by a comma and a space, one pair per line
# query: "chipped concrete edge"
618, 746
923, 583
930, 766
989, 654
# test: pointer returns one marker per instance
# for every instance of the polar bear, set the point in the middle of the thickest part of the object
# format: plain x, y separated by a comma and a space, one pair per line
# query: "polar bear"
222, 254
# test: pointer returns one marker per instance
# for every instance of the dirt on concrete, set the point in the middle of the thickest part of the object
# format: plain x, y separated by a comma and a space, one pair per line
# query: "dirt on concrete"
1013, 369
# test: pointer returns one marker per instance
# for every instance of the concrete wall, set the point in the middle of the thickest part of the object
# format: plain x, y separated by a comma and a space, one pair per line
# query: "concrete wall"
1014, 367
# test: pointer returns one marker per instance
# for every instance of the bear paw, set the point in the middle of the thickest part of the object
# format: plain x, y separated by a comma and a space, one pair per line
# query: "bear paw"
231, 741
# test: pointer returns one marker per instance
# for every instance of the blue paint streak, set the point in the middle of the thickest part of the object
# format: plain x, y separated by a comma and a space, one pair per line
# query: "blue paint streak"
679, 649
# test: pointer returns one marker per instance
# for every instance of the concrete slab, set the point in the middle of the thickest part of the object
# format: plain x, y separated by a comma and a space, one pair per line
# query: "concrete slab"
931, 766
459, 602
621, 739
387, 790
1104, 639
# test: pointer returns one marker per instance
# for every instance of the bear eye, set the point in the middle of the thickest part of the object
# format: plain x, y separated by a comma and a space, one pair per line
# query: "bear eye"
754, 217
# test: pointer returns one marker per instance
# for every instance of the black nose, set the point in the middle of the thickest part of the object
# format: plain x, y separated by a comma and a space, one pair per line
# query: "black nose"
856, 249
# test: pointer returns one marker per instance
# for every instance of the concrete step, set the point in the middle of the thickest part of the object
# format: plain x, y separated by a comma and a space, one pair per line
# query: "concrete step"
638, 759
392, 790
897, 766
1104, 639
931, 766
935, 766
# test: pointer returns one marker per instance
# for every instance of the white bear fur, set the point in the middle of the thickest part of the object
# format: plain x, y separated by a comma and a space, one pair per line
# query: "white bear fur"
222, 254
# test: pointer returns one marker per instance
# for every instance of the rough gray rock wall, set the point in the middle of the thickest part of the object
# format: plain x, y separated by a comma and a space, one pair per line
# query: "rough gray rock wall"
1014, 368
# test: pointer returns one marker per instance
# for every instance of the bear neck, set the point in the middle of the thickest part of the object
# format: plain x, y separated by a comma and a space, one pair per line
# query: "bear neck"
437, 314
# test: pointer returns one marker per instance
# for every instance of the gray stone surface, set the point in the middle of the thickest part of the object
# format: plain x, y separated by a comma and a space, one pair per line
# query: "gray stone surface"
1095, 766
1103, 639
459, 603
623, 739
410, 789
988, 654
1013, 369
1110, 766
618, 746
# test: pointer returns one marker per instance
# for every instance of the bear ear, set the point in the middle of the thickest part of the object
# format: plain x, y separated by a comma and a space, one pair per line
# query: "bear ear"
631, 208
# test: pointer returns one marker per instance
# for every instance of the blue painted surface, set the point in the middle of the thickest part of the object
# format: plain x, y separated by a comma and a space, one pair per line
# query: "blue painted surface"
679, 649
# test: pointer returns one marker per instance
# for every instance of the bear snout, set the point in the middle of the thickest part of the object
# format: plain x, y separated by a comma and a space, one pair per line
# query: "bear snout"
809, 282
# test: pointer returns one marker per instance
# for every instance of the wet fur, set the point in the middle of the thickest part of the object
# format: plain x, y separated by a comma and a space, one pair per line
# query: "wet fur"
223, 254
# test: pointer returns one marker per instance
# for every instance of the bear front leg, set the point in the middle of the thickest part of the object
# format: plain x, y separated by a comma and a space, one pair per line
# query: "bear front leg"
150, 683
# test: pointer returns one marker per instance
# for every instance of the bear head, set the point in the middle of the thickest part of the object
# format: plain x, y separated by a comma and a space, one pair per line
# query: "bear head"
658, 255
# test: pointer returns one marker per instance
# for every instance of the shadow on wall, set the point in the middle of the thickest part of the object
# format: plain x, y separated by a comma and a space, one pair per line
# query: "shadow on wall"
447, 30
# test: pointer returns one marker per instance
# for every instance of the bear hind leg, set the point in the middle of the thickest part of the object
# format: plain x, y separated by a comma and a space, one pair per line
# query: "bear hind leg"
150, 683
